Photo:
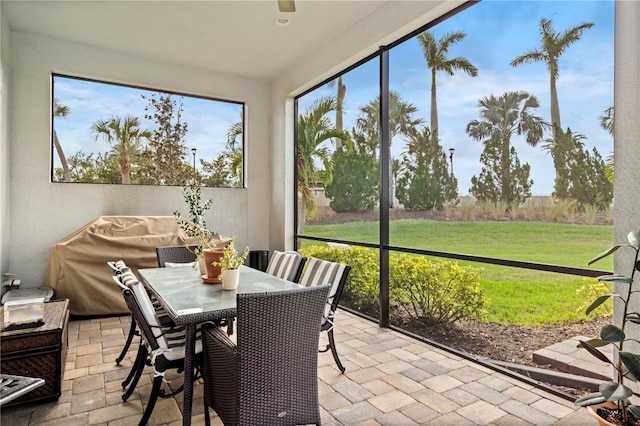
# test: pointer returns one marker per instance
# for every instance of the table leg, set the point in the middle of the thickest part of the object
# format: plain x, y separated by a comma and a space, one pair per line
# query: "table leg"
189, 356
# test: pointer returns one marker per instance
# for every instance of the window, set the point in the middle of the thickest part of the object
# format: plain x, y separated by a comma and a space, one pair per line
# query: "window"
116, 134
508, 193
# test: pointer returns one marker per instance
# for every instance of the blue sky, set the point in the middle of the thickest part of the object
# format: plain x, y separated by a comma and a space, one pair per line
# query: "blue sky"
497, 32
208, 120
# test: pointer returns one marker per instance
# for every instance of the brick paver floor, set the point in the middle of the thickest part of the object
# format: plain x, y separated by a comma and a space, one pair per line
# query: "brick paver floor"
391, 379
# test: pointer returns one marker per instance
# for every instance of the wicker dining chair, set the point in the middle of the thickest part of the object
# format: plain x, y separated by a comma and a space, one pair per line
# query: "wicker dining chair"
176, 255
287, 265
270, 377
319, 272
162, 344
166, 255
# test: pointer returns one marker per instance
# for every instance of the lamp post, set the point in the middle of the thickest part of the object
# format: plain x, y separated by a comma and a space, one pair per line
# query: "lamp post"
451, 150
193, 151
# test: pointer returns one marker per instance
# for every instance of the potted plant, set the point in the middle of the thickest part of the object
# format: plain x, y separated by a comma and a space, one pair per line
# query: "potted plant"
229, 264
209, 245
611, 405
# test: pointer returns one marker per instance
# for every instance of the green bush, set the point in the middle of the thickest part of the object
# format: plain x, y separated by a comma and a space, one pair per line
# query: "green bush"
439, 292
361, 292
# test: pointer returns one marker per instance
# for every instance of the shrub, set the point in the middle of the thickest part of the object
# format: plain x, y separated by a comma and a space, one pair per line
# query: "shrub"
361, 292
440, 292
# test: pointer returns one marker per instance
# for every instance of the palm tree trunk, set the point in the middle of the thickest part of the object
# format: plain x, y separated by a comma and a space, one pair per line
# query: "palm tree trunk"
506, 172
555, 106
125, 169
434, 104
342, 91
63, 159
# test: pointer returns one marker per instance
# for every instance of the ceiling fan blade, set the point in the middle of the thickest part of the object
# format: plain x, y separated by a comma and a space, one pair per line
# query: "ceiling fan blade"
286, 5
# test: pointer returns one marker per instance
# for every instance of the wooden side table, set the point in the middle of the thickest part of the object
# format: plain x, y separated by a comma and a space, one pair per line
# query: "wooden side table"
39, 352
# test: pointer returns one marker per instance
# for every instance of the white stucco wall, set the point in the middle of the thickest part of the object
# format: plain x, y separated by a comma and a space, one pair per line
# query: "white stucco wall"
627, 142
42, 212
627, 121
4, 145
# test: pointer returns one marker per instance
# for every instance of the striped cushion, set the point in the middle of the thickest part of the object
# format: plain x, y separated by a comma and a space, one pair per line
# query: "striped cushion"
284, 265
320, 272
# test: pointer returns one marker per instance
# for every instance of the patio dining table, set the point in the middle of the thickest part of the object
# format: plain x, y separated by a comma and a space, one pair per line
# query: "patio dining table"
190, 301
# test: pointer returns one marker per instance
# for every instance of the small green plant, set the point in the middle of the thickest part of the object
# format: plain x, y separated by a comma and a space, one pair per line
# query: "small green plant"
230, 258
195, 226
628, 365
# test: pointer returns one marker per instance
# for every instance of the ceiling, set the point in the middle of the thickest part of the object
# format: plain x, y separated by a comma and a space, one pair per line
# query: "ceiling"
236, 37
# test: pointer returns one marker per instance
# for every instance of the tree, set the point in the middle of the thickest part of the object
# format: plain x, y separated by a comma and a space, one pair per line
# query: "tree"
315, 131
435, 53
167, 151
401, 122
125, 138
226, 169
424, 181
356, 176
218, 170
235, 136
553, 45
61, 111
341, 91
560, 148
500, 119
587, 179
607, 122
491, 186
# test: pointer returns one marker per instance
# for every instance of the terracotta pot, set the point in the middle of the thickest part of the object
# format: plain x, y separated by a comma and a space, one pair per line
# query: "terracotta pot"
230, 278
212, 271
592, 409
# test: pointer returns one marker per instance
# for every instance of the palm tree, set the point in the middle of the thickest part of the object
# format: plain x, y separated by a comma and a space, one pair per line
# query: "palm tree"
315, 130
607, 122
125, 137
234, 145
401, 122
435, 53
341, 92
61, 111
500, 119
553, 46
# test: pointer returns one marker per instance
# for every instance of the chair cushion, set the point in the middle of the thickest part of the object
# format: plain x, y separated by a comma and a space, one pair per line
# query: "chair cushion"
320, 272
284, 264
179, 265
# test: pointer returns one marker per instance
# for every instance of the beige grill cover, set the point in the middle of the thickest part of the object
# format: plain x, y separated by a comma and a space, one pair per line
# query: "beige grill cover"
78, 267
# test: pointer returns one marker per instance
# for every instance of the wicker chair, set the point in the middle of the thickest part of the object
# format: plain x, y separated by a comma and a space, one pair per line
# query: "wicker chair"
167, 254
320, 272
271, 376
162, 344
287, 265
176, 254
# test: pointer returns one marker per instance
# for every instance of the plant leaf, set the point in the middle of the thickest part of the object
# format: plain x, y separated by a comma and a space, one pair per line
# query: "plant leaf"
612, 334
596, 343
631, 361
590, 399
615, 278
635, 410
605, 253
613, 391
593, 351
599, 301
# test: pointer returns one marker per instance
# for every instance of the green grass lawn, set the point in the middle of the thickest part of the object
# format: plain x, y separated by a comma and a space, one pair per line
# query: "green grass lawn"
516, 296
